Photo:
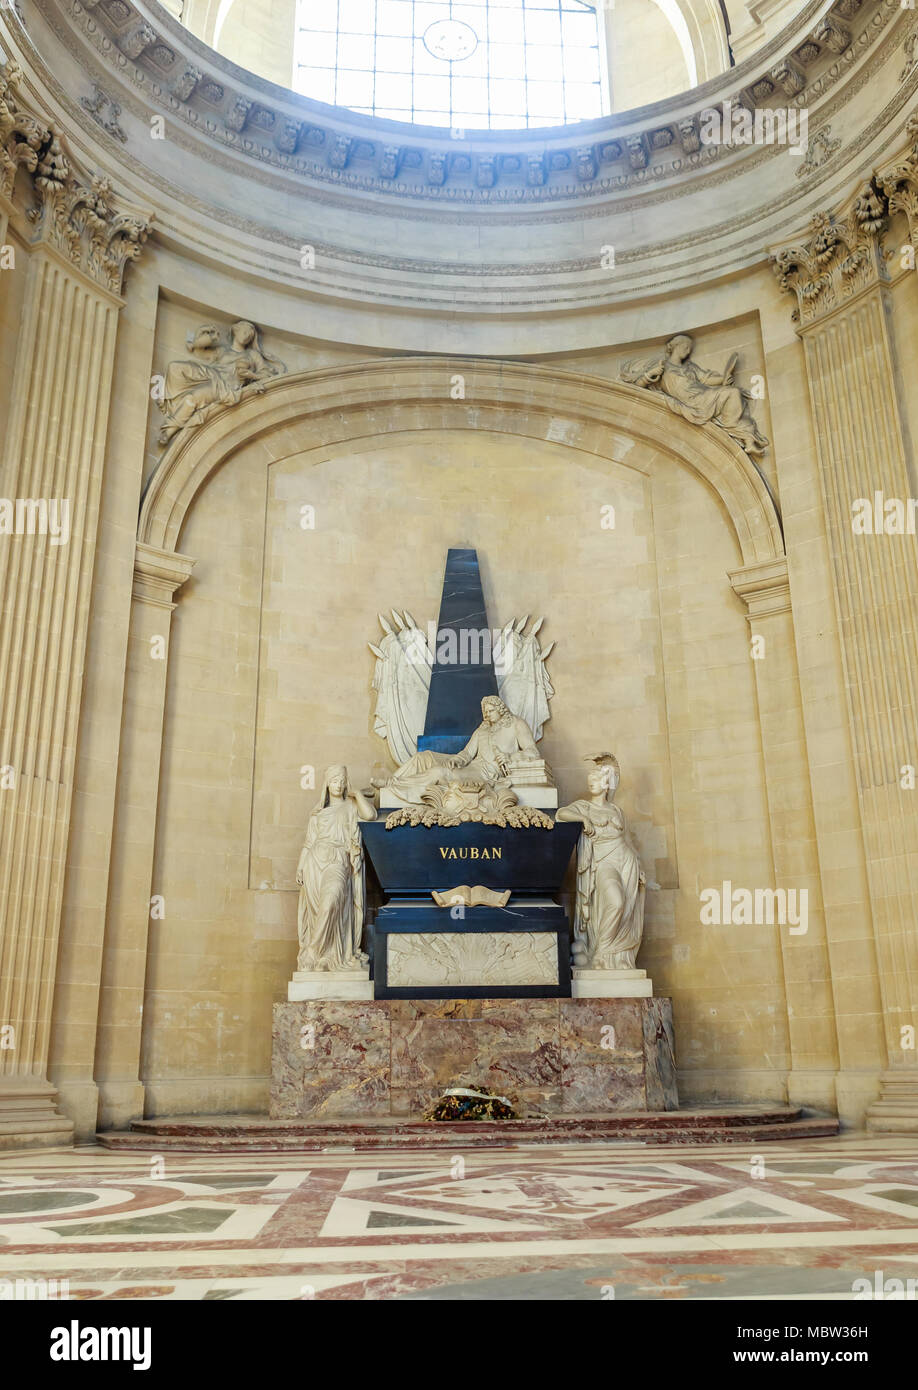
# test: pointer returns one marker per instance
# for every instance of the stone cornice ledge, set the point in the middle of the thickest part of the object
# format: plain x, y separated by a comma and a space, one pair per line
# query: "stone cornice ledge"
145, 46
159, 574
763, 587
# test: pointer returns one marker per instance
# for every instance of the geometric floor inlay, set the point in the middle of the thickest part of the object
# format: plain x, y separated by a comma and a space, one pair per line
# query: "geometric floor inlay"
802, 1220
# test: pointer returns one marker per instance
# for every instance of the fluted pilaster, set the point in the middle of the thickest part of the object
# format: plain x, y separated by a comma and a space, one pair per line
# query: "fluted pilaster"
839, 275
53, 460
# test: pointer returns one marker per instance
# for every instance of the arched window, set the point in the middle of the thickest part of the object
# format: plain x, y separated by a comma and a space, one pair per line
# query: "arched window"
482, 63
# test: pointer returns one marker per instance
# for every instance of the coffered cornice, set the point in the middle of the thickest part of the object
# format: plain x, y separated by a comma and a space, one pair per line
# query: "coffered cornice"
142, 46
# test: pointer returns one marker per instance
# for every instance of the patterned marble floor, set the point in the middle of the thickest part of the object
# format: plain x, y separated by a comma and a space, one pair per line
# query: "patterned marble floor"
790, 1220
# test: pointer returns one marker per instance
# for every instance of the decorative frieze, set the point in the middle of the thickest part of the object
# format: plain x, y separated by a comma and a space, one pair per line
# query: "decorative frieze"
105, 112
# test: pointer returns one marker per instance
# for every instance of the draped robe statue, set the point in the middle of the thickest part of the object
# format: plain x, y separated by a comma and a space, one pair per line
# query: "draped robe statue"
609, 910
330, 873
215, 376
698, 393
500, 747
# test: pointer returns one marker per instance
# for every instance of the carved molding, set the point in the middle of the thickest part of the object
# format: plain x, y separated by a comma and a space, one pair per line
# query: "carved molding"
158, 574
764, 588
646, 267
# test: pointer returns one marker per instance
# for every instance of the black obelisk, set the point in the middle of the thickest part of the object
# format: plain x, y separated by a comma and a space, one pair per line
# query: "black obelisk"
460, 681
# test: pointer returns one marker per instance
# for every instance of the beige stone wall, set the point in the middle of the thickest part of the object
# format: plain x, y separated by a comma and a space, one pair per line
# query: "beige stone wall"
258, 35
639, 27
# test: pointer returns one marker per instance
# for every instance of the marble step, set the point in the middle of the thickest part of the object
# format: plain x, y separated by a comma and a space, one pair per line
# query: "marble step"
256, 1134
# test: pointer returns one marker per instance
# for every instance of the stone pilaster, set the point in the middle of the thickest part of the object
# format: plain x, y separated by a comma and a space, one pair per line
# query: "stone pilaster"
52, 468
158, 574
840, 279
765, 592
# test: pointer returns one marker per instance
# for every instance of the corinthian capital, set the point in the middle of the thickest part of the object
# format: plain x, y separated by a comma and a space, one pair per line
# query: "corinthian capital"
81, 218
842, 255
899, 181
21, 135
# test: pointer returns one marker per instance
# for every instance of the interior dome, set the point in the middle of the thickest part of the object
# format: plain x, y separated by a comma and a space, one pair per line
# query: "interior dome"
485, 64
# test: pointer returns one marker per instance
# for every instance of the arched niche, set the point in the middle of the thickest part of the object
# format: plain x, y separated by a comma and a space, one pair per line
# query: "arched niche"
340, 403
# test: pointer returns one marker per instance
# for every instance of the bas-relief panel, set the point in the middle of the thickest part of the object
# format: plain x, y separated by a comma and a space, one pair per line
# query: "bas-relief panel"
472, 958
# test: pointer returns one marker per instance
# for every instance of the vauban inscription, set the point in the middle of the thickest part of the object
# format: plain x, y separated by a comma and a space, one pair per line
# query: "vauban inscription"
472, 852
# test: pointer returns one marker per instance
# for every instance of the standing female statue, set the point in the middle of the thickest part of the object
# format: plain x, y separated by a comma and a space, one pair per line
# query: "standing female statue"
331, 878
609, 911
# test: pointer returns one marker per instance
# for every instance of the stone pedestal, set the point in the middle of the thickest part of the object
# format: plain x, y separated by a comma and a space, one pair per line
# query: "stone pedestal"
610, 984
521, 950
330, 984
393, 1057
